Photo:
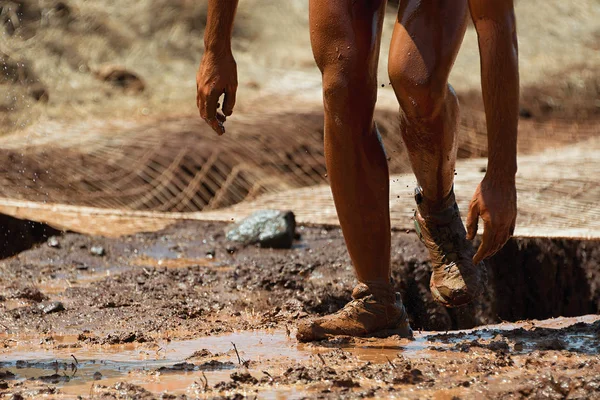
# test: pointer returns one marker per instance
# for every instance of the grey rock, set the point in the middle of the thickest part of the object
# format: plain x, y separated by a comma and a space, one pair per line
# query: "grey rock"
97, 251
53, 307
270, 228
53, 242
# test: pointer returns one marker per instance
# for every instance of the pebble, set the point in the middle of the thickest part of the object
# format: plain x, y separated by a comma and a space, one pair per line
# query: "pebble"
53, 307
97, 251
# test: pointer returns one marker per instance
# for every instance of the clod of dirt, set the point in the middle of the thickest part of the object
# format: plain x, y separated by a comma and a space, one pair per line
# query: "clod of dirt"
412, 376
345, 383
270, 228
214, 365
128, 337
498, 345
6, 375
97, 251
30, 293
55, 306
519, 346
204, 353
3, 385
131, 391
243, 377
183, 366
81, 266
97, 376
54, 378
53, 242
16, 396
121, 77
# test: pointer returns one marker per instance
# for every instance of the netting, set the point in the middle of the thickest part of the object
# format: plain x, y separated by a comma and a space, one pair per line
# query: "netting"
178, 164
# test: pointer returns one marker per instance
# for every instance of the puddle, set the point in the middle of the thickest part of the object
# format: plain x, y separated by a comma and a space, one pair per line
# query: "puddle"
76, 370
179, 263
139, 364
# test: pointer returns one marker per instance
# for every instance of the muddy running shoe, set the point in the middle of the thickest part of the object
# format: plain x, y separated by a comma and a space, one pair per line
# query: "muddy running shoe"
455, 280
368, 314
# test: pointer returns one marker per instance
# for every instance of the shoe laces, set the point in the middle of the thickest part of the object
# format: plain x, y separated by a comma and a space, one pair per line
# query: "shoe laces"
448, 241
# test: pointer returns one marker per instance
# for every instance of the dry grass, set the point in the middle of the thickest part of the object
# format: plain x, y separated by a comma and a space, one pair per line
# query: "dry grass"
62, 43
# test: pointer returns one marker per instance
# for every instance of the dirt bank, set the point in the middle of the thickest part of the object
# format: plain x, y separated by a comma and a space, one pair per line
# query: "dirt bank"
177, 279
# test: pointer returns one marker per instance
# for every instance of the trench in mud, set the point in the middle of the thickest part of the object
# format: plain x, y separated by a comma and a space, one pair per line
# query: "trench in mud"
173, 367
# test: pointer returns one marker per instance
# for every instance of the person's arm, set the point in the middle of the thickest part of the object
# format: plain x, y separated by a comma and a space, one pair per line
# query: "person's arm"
495, 199
217, 73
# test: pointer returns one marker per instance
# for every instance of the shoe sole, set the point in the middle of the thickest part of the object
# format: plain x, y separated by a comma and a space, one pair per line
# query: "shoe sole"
437, 296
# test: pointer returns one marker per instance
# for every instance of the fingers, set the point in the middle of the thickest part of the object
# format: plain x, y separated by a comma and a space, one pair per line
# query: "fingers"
472, 220
487, 244
493, 240
229, 100
207, 106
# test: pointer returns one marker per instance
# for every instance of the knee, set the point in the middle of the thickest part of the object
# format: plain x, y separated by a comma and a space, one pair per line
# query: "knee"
420, 96
348, 82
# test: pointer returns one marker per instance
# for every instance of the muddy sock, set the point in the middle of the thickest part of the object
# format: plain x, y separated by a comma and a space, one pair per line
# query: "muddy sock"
383, 292
434, 209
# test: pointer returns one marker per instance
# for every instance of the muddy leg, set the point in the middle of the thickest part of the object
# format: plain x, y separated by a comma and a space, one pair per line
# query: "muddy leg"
345, 37
426, 40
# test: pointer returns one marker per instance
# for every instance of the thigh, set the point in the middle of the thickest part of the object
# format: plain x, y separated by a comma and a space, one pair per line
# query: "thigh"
426, 39
346, 33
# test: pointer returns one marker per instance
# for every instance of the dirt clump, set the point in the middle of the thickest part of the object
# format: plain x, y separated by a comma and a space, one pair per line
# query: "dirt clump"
120, 77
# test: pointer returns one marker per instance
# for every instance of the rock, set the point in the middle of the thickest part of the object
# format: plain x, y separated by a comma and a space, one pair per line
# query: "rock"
97, 251
270, 228
81, 266
53, 307
97, 376
3, 385
53, 242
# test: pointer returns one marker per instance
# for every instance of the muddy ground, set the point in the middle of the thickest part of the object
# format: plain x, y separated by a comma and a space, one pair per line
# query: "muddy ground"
120, 318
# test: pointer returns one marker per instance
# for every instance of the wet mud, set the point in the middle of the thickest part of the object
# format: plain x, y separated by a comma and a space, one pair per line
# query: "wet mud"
186, 312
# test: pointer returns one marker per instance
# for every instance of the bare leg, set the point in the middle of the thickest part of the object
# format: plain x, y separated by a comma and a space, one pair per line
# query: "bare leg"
426, 40
345, 37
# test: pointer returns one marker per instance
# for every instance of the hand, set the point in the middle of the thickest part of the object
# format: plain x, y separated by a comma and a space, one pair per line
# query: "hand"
216, 75
496, 203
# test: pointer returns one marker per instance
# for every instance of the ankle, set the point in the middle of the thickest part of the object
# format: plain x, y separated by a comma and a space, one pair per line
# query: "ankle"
432, 208
383, 291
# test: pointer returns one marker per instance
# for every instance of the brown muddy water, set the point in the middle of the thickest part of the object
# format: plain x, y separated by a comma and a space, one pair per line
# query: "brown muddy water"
493, 358
162, 314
